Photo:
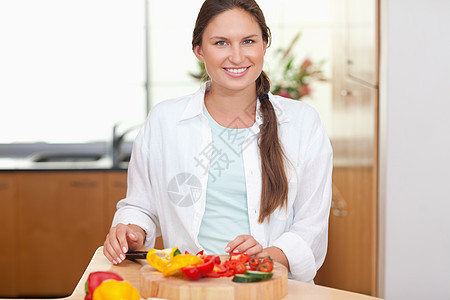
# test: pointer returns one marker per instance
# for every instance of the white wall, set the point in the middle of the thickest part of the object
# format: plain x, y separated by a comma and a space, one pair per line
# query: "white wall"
415, 150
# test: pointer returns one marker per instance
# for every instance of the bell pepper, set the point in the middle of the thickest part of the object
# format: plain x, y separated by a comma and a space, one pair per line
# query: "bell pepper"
198, 271
215, 258
159, 259
116, 290
192, 272
239, 257
180, 261
96, 278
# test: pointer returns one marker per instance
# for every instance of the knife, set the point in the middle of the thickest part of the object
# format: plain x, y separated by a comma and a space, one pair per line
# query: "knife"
136, 254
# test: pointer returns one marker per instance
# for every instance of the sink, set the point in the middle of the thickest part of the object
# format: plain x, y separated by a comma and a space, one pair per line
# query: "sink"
75, 156
70, 160
65, 157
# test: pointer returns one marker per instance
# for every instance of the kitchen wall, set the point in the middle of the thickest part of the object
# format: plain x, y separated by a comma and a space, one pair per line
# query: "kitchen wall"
415, 147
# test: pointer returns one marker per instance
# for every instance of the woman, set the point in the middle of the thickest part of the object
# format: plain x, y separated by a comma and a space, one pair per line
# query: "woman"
231, 167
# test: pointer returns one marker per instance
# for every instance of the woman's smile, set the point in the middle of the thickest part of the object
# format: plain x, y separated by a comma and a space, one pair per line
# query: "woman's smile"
236, 72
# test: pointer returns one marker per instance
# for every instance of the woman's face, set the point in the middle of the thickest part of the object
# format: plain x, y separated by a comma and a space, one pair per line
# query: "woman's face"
233, 51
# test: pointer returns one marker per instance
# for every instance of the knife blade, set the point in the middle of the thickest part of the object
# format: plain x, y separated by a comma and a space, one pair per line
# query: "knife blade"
136, 254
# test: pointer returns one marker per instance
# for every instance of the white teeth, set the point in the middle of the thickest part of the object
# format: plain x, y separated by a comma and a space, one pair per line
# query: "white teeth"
236, 71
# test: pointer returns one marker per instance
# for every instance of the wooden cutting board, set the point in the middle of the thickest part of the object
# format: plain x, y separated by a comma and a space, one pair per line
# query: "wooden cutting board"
153, 284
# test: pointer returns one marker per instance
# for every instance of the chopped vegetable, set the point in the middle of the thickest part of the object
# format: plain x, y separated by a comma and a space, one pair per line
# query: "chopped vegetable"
254, 262
242, 278
266, 266
191, 272
239, 257
159, 259
180, 261
215, 258
198, 271
240, 268
262, 275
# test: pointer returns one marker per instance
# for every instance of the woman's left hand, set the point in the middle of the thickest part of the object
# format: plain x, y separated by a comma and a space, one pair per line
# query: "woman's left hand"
244, 244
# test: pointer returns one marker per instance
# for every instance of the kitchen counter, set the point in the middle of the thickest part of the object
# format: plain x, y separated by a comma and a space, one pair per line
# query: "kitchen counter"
21, 164
130, 272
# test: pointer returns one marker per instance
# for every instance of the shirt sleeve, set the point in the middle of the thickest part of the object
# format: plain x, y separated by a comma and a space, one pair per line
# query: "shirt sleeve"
305, 243
137, 208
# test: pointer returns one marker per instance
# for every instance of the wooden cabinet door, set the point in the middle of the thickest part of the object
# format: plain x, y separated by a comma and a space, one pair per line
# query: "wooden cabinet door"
60, 224
8, 254
351, 261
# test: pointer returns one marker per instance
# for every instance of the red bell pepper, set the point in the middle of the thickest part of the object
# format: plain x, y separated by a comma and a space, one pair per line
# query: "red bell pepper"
215, 258
191, 272
239, 257
198, 271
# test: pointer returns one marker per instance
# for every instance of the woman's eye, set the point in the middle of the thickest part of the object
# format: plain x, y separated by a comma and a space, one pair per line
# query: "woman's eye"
221, 43
248, 42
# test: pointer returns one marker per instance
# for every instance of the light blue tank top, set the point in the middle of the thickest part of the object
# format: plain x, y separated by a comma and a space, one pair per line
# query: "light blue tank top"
226, 212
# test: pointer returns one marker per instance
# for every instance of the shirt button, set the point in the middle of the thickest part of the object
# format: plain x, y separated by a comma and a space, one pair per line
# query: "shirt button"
254, 211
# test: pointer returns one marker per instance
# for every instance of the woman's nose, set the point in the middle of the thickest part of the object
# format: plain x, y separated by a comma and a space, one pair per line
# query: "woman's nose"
236, 55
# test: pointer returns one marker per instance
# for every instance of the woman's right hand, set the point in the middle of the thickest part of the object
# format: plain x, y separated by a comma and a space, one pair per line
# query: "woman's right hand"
120, 239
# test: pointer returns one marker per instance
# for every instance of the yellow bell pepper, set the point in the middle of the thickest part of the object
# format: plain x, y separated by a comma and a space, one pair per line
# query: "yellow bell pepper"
181, 261
115, 290
159, 259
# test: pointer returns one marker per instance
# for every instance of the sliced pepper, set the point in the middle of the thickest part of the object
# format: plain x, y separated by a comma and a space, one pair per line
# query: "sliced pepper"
180, 261
116, 290
192, 272
239, 257
159, 259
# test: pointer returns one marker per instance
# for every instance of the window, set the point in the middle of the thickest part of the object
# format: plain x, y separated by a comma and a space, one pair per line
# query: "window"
70, 69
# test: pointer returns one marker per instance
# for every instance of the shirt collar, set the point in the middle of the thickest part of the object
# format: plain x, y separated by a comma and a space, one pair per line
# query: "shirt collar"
195, 106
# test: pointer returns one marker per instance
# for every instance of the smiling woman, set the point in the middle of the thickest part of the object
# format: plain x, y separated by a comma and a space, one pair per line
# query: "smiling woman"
261, 163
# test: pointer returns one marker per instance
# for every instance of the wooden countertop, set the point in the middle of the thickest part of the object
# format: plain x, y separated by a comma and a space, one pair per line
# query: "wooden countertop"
129, 270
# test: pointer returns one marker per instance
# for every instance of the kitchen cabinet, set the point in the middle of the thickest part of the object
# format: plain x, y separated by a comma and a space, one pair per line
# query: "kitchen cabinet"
8, 255
60, 215
351, 262
52, 221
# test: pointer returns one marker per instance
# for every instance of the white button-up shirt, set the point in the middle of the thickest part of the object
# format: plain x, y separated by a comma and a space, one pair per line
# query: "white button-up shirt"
168, 175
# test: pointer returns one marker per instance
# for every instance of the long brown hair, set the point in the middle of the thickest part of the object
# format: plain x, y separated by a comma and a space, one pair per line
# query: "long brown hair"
274, 189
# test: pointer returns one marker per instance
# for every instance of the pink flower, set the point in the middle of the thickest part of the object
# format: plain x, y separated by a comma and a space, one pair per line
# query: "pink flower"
284, 93
304, 90
306, 63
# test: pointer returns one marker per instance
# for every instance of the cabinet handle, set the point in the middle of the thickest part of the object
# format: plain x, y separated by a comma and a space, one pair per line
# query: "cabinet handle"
338, 203
338, 208
84, 184
348, 93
